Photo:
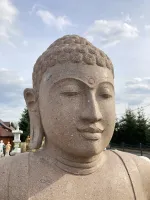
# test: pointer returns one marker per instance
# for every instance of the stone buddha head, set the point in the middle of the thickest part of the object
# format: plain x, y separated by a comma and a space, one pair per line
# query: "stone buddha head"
72, 101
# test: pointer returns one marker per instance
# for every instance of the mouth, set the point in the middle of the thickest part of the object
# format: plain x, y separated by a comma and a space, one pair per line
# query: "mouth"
91, 133
91, 136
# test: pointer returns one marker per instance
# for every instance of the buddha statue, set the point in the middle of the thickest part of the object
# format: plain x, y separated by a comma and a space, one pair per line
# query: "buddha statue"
8, 148
27, 142
72, 105
1, 148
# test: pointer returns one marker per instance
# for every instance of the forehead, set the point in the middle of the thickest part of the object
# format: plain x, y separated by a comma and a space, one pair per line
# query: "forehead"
89, 74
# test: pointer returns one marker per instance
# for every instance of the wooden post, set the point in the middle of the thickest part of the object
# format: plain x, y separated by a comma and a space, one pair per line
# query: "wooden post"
141, 149
123, 146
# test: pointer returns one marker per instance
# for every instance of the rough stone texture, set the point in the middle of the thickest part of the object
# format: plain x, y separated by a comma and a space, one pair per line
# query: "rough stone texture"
72, 105
69, 49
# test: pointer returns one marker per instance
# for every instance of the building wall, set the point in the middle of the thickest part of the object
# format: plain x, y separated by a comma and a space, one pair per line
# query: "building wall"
7, 139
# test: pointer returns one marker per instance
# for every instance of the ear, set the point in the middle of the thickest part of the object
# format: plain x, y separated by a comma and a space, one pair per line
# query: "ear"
36, 128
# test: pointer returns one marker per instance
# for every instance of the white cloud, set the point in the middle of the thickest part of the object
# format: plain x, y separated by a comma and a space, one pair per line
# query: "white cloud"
11, 86
111, 32
35, 7
8, 11
25, 43
7, 21
50, 19
127, 17
139, 86
9, 113
12, 101
147, 27
142, 16
135, 92
134, 81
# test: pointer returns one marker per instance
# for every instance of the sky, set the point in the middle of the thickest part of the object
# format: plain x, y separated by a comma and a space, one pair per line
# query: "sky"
121, 28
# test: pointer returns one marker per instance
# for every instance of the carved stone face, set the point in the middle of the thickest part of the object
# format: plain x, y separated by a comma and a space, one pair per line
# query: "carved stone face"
77, 108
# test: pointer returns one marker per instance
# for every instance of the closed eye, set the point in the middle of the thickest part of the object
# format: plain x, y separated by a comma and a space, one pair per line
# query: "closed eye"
70, 93
106, 95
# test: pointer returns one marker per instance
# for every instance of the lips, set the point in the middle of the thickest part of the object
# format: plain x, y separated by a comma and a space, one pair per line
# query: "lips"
91, 136
92, 132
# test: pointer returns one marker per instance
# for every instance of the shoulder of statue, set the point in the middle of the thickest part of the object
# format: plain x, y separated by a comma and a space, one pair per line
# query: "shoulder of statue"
143, 168
143, 164
13, 174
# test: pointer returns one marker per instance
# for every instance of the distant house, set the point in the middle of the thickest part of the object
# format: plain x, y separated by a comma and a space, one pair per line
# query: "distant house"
6, 132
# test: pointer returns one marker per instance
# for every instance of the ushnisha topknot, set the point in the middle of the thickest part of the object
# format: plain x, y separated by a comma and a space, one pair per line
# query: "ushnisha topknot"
70, 48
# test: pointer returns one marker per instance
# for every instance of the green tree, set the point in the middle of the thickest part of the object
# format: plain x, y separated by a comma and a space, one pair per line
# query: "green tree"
148, 137
115, 138
148, 132
142, 126
24, 124
132, 128
128, 128
125, 129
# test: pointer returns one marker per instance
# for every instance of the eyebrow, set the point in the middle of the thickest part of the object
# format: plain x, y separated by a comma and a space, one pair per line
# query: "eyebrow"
107, 83
83, 82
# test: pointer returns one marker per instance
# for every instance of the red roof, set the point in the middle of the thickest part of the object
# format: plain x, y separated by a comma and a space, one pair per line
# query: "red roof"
5, 132
9, 125
2, 124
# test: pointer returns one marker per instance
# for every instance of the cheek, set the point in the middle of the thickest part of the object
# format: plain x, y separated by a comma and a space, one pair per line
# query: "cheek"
67, 105
62, 112
108, 112
108, 120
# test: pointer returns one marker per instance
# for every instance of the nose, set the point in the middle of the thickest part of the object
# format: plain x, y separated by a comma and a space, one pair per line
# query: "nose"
92, 112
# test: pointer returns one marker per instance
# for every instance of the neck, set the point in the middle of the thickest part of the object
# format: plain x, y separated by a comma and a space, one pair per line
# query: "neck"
75, 164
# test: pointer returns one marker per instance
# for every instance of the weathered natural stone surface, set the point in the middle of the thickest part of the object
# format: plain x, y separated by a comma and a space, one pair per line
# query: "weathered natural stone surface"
72, 105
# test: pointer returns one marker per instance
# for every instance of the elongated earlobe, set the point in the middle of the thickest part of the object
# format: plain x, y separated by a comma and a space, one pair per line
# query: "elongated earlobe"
36, 128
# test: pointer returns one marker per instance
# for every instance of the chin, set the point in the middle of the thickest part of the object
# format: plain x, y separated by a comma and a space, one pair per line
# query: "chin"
89, 152
95, 152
